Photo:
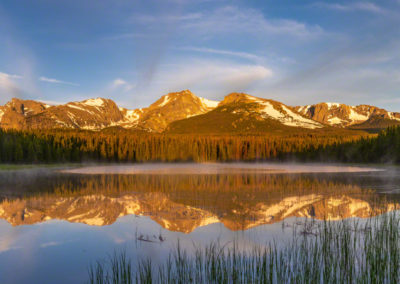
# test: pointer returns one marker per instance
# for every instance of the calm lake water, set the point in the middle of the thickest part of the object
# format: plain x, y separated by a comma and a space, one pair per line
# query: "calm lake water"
55, 222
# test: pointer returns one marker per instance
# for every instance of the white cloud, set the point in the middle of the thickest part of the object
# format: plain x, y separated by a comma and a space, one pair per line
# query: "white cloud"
166, 18
231, 19
8, 87
52, 102
351, 7
55, 81
10, 76
210, 73
244, 55
120, 83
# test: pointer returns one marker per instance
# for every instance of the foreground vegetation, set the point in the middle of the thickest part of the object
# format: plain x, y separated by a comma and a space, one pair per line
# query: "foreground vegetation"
327, 252
127, 146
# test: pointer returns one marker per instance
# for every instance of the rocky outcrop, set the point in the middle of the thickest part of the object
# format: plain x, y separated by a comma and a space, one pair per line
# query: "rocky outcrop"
13, 114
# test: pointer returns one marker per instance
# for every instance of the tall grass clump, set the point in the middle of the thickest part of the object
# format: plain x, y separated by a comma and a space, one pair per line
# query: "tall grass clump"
346, 251
117, 269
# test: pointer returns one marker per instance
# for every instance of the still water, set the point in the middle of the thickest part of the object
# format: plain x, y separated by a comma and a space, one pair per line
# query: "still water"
55, 222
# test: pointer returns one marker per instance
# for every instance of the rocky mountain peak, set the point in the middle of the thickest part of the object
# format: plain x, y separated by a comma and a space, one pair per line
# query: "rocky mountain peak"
237, 98
25, 106
341, 115
185, 97
13, 114
172, 107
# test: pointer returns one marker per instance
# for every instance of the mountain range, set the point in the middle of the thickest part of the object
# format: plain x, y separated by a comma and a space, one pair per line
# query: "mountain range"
184, 112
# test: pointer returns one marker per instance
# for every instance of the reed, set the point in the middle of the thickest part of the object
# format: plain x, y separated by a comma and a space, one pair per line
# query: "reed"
347, 251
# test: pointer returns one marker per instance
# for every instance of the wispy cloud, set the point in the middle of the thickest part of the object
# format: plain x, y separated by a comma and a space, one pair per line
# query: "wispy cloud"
52, 102
120, 83
351, 7
244, 55
232, 19
210, 78
8, 86
56, 81
149, 19
127, 36
10, 76
358, 73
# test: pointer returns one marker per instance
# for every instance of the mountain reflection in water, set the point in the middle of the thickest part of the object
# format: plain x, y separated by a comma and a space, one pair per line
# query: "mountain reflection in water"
185, 202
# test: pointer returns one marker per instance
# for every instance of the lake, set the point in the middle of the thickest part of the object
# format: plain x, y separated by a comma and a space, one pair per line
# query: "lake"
56, 222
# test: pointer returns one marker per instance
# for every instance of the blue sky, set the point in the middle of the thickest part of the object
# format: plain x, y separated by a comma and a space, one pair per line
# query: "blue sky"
297, 52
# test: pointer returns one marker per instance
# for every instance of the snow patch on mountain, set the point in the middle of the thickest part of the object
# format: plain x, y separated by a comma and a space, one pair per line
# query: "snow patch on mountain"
209, 103
133, 115
76, 107
286, 116
165, 101
330, 105
94, 102
295, 119
357, 117
335, 120
304, 109
391, 116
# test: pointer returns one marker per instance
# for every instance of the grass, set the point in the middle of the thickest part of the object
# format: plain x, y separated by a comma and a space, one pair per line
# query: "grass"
120, 270
319, 252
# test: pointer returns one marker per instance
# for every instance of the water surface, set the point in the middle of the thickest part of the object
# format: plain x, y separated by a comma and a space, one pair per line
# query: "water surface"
54, 223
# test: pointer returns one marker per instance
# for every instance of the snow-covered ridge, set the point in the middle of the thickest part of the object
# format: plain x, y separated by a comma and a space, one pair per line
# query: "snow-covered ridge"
209, 103
342, 115
133, 115
98, 102
335, 120
165, 101
304, 109
357, 117
391, 116
286, 115
75, 107
330, 105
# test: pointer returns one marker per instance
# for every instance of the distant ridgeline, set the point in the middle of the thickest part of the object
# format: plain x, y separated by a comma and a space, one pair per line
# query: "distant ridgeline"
115, 145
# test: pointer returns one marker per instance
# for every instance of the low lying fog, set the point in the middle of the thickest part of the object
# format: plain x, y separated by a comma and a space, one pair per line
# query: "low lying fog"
217, 168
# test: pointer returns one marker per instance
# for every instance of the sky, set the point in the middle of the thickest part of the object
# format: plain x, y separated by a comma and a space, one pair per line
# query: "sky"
296, 52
